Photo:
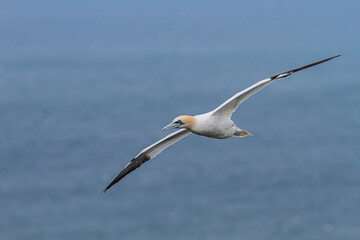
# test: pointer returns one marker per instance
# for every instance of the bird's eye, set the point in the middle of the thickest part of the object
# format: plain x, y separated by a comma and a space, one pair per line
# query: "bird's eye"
179, 121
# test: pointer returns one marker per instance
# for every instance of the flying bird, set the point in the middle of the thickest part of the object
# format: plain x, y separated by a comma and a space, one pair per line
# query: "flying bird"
214, 124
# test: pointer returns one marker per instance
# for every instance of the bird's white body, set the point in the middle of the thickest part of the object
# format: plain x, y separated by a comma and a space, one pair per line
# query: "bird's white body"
214, 124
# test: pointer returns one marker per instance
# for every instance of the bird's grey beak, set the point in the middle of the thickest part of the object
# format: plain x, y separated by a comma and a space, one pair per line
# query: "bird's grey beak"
171, 125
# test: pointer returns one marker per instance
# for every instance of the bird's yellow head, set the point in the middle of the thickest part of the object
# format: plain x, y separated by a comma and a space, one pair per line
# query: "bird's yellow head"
183, 121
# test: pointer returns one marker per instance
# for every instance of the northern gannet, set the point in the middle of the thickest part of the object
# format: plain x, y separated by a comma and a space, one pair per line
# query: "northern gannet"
214, 124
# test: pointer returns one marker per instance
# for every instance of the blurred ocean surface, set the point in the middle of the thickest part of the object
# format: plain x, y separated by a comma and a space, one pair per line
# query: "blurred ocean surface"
69, 124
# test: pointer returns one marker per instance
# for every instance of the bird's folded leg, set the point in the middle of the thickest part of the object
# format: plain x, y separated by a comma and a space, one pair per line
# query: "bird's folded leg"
242, 133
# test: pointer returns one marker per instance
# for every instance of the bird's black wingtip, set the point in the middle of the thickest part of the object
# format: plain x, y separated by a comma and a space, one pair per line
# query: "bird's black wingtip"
104, 190
288, 73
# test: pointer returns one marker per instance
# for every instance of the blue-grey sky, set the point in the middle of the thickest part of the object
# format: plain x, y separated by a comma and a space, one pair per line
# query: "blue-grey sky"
94, 29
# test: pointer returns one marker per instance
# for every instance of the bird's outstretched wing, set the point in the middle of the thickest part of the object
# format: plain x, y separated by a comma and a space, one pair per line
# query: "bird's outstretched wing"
227, 108
149, 153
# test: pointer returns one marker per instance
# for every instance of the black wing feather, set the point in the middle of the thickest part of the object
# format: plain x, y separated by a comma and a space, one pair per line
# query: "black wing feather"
131, 166
285, 74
